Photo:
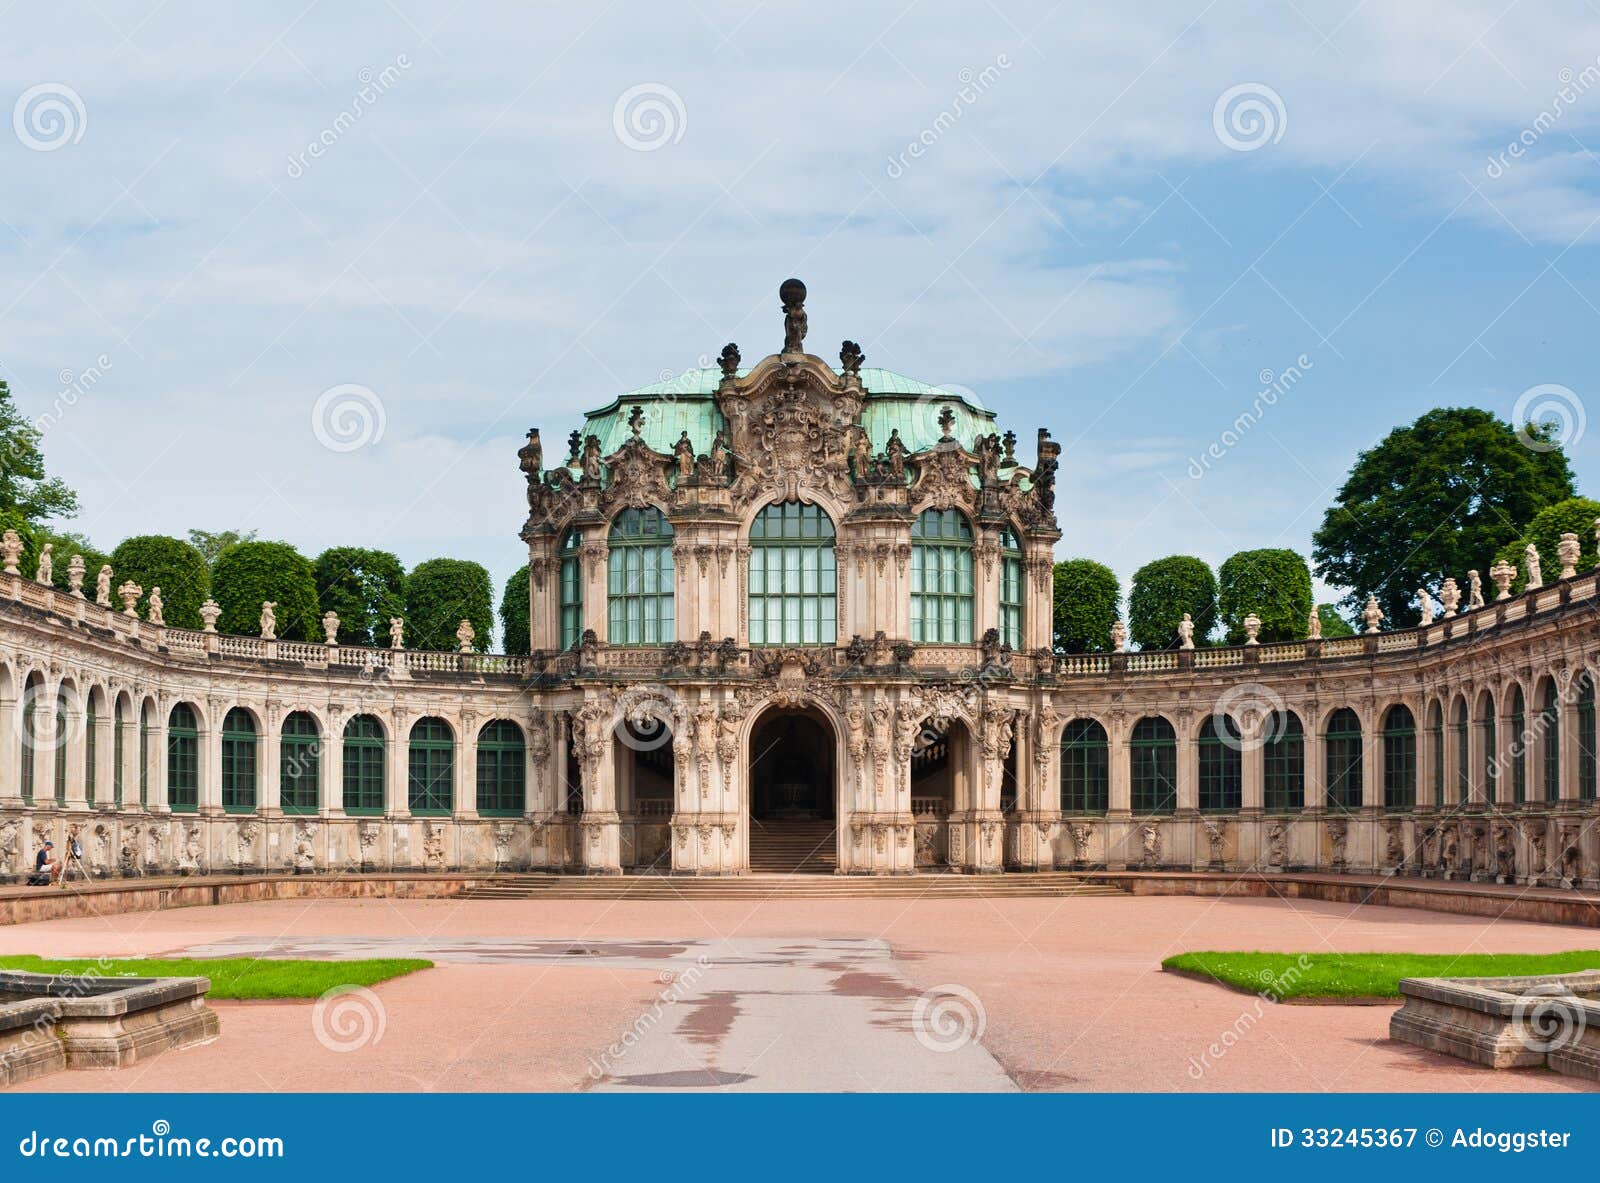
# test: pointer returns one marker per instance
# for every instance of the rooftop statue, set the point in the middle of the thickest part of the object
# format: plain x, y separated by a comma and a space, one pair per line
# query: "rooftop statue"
793, 295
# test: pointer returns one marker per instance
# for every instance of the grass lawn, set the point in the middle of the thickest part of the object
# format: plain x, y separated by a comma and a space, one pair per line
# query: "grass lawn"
1366, 975
236, 977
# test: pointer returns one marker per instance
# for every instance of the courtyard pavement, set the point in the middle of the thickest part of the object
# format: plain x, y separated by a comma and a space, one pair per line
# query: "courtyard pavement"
848, 995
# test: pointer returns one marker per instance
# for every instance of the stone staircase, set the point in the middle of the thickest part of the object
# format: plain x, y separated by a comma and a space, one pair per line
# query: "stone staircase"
793, 847
770, 886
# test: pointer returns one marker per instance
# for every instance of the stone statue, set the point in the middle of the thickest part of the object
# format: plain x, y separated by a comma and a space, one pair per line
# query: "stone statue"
1567, 551
530, 457
861, 452
102, 586
1474, 591
11, 550
895, 449
988, 449
1119, 637
592, 465
330, 627
129, 593
850, 358
1372, 614
156, 609
792, 293
729, 359
269, 620
1314, 625
1450, 596
1426, 601
209, 612
1530, 559
1252, 629
947, 424
75, 570
1502, 573
719, 455
397, 633
465, 635
683, 453
46, 564
1186, 632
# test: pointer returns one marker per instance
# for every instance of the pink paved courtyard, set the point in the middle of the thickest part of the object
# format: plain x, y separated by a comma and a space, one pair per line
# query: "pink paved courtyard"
802, 994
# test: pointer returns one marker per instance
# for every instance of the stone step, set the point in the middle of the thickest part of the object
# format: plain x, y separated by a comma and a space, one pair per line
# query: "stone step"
801, 886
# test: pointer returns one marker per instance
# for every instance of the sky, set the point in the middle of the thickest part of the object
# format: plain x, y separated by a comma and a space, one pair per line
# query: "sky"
314, 271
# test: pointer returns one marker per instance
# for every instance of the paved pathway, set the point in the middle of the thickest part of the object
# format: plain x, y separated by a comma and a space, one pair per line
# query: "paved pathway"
830, 1014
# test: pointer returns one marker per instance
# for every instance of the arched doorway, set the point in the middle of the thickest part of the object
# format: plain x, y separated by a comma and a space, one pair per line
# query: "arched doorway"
793, 786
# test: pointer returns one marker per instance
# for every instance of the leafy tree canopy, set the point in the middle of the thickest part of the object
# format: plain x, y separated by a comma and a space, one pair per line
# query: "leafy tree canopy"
440, 593
1275, 584
1086, 595
251, 572
1333, 625
24, 487
514, 613
1162, 592
178, 569
213, 544
1575, 515
1435, 499
365, 587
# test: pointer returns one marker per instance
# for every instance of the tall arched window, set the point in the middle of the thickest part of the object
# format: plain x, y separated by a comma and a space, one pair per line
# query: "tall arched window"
502, 769
1010, 589
1519, 747
1085, 768
90, 742
1550, 740
1399, 758
941, 577
1436, 734
1491, 762
238, 761
431, 768
639, 579
1153, 752
364, 764
793, 581
571, 580
1221, 765
30, 736
1586, 746
1463, 770
183, 759
1342, 741
299, 763
1284, 757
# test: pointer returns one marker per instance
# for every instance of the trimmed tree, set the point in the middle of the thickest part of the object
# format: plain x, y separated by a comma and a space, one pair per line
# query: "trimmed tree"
1084, 607
439, 594
178, 569
1273, 583
1162, 592
365, 587
1435, 499
213, 544
1575, 515
24, 487
514, 630
1333, 625
255, 571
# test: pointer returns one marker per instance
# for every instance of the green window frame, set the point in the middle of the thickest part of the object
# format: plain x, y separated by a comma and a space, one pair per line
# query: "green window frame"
29, 740
1085, 768
238, 761
1519, 748
365, 767
571, 579
1463, 754
639, 579
1399, 758
90, 722
119, 741
1586, 743
502, 770
59, 749
941, 578
1436, 730
1550, 725
299, 763
431, 768
1491, 763
1342, 741
1221, 765
793, 581
1284, 764
183, 760
1011, 589
1153, 760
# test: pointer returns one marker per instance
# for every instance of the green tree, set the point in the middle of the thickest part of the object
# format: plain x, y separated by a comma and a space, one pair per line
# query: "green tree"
514, 631
1575, 515
365, 587
251, 572
1273, 583
178, 569
24, 487
213, 544
1435, 499
440, 593
1333, 625
1162, 592
1086, 596
64, 544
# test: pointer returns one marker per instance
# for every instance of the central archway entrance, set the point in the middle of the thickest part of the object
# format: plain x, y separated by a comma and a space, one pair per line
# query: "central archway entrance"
793, 787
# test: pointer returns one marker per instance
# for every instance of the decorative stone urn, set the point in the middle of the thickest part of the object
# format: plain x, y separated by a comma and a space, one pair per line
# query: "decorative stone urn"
1567, 551
1252, 628
1502, 573
129, 594
1372, 614
209, 612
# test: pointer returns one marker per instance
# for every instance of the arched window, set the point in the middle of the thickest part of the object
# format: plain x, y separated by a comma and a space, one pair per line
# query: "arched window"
119, 722
1519, 747
1085, 768
1284, 756
502, 769
431, 768
1491, 762
90, 718
1153, 752
1463, 772
1399, 758
1550, 740
941, 577
60, 749
793, 581
1010, 589
30, 736
183, 759
1436, 733
1343, 744
639, 579
299, 763
238, 761
364, 764
571, 589
1586, 748
1221, 765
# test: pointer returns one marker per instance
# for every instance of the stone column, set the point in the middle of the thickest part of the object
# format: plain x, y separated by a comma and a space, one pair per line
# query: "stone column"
105, 758
593, 560
211, 758
10, 752
600, 831
1188, 756
330, 770
1372, 760
1253, 762
1567, 702
397, 798
269, 764
1316, 786
155, 734
465, 801
77, 743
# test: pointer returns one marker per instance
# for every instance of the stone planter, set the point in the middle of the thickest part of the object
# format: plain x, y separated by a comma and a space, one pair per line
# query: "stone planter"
1550, 1020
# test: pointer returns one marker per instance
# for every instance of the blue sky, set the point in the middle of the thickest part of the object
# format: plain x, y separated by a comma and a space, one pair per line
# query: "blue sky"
1087, 238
